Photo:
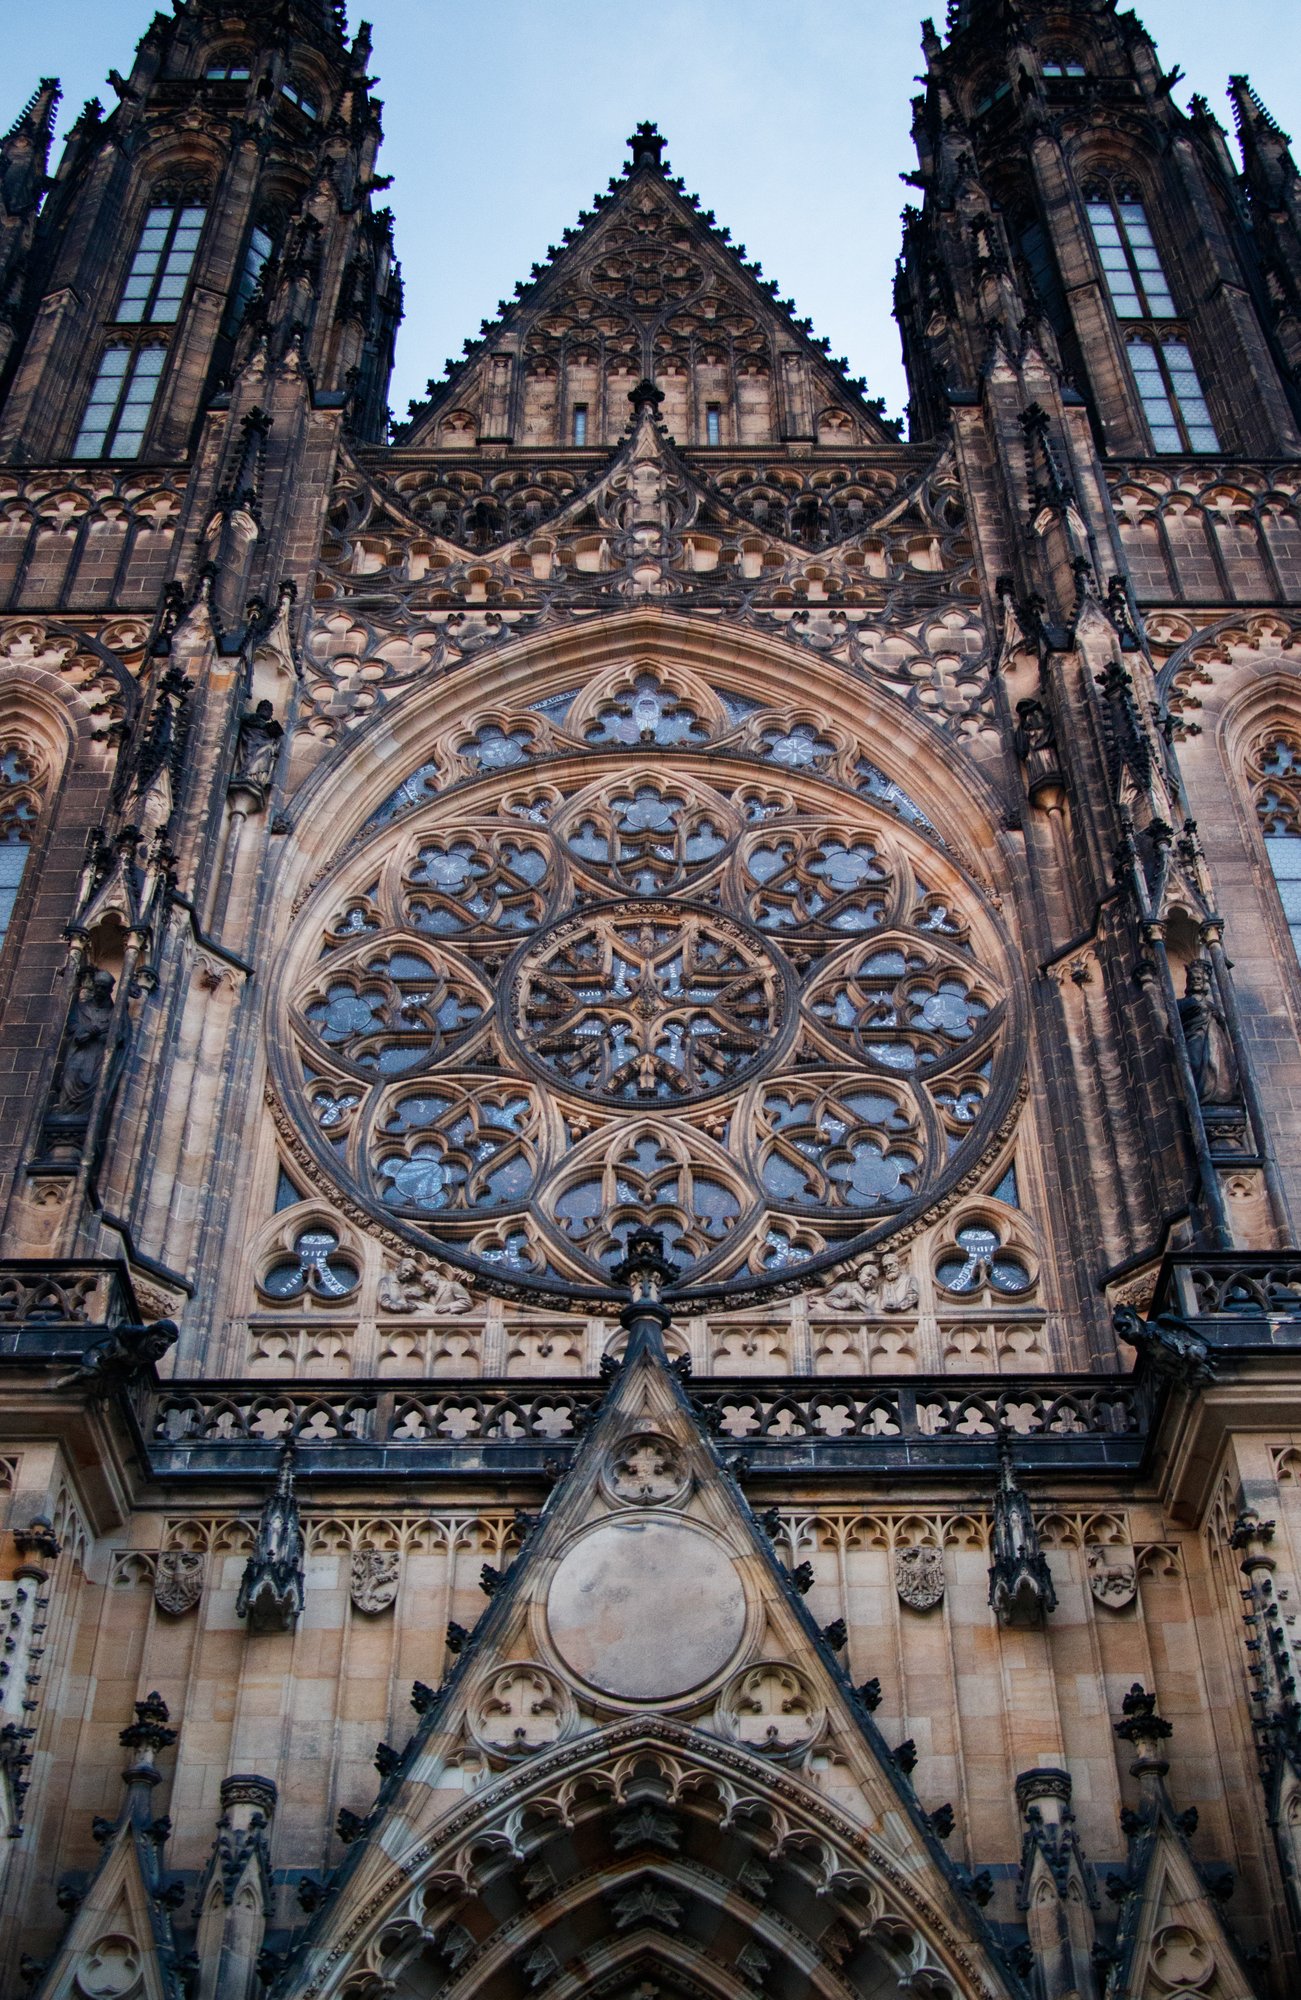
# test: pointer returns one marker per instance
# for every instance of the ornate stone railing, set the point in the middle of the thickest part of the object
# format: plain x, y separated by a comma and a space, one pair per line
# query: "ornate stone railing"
950, 1424
1234, 1298
40, 1295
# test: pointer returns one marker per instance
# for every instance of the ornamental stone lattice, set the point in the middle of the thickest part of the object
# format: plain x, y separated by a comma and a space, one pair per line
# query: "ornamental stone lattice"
585, 984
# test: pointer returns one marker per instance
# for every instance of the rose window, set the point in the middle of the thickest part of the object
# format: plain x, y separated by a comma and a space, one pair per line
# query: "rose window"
647, 1003
580, 973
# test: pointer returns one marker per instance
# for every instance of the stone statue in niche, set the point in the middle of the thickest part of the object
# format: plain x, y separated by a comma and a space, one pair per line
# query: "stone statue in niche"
89, 1025
1036, 746
373, 1583
1206, 1038
1113, 1575
919, 1577
411, 1287
879, 1285
178, 1581
257, 747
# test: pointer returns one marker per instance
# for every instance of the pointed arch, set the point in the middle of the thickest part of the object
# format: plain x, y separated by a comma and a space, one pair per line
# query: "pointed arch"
645, 1841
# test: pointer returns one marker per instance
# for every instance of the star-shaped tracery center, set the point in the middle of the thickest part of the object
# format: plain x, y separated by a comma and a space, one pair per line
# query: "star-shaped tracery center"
648, 1006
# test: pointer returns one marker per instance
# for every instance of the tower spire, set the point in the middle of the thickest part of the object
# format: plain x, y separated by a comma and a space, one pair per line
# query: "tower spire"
1274, 194
24, 157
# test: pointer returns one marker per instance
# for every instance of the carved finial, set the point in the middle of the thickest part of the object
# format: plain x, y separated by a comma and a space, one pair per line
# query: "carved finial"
647, 148
145, 1737
645, 397
644, 1268
271, 1589
1020, 1583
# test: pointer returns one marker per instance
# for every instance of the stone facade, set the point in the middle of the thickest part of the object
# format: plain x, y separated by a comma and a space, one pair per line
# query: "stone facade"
650, 1315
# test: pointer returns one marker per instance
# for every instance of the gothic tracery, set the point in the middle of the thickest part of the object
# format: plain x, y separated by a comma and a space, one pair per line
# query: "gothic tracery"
572, 978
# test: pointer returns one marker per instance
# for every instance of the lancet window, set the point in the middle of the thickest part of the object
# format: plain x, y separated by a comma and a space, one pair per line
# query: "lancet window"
21, 786
117, 412
1165, 374
1275, 768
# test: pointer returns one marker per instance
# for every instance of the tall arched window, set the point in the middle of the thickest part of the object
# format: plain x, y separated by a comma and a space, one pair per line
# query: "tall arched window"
1165, 374
1275, 767
125, 388
22, 782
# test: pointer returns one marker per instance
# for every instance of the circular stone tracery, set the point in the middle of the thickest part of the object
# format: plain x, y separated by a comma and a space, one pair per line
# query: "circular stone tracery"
617, 982
647, 1002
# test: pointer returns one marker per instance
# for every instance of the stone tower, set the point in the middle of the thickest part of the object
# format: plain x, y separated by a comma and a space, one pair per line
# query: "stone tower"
650, 1314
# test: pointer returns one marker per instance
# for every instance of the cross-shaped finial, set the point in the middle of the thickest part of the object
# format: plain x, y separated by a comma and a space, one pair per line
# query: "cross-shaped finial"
647, 146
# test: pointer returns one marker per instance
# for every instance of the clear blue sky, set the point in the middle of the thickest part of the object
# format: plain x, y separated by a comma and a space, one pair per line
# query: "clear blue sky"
788, 117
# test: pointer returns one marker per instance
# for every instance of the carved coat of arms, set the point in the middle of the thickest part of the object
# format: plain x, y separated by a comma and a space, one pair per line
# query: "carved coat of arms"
919, 1577
375, 1577
178, 1581
1113, 1575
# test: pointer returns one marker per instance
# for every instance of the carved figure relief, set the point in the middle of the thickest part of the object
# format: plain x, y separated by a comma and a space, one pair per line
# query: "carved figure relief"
373, 1583
919, 1577
770, 1707
521, 1708
1113, 1575
879, 1285
178, 1581
430, 1289
787, 974
89, 1023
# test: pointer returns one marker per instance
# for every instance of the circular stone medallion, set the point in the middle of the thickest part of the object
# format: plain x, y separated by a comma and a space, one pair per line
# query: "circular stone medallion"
646, 1610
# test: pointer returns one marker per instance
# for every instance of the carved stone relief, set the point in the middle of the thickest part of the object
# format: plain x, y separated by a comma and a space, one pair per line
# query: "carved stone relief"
178, 1581
645, 1470
429, 1289
1113, 1575
919, 1577
519, 1709
770, 1707
375, 1576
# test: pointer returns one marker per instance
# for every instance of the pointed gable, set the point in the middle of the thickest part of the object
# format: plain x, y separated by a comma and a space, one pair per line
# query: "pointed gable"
648, 1757
647, 287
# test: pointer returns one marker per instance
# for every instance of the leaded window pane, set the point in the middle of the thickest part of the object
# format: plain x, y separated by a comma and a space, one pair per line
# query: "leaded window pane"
1172, 398
255, 260
120, 403
160, 269
1275, 766
1129, 256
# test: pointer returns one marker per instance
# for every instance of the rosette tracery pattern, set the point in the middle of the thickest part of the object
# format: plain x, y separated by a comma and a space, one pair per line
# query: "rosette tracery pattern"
583, 973
648, 1004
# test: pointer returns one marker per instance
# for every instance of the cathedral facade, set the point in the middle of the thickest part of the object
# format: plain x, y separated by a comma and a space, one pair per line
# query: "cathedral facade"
650, 1065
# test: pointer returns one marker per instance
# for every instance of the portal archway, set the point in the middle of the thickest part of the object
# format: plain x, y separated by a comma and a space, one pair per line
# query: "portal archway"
648, 1858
